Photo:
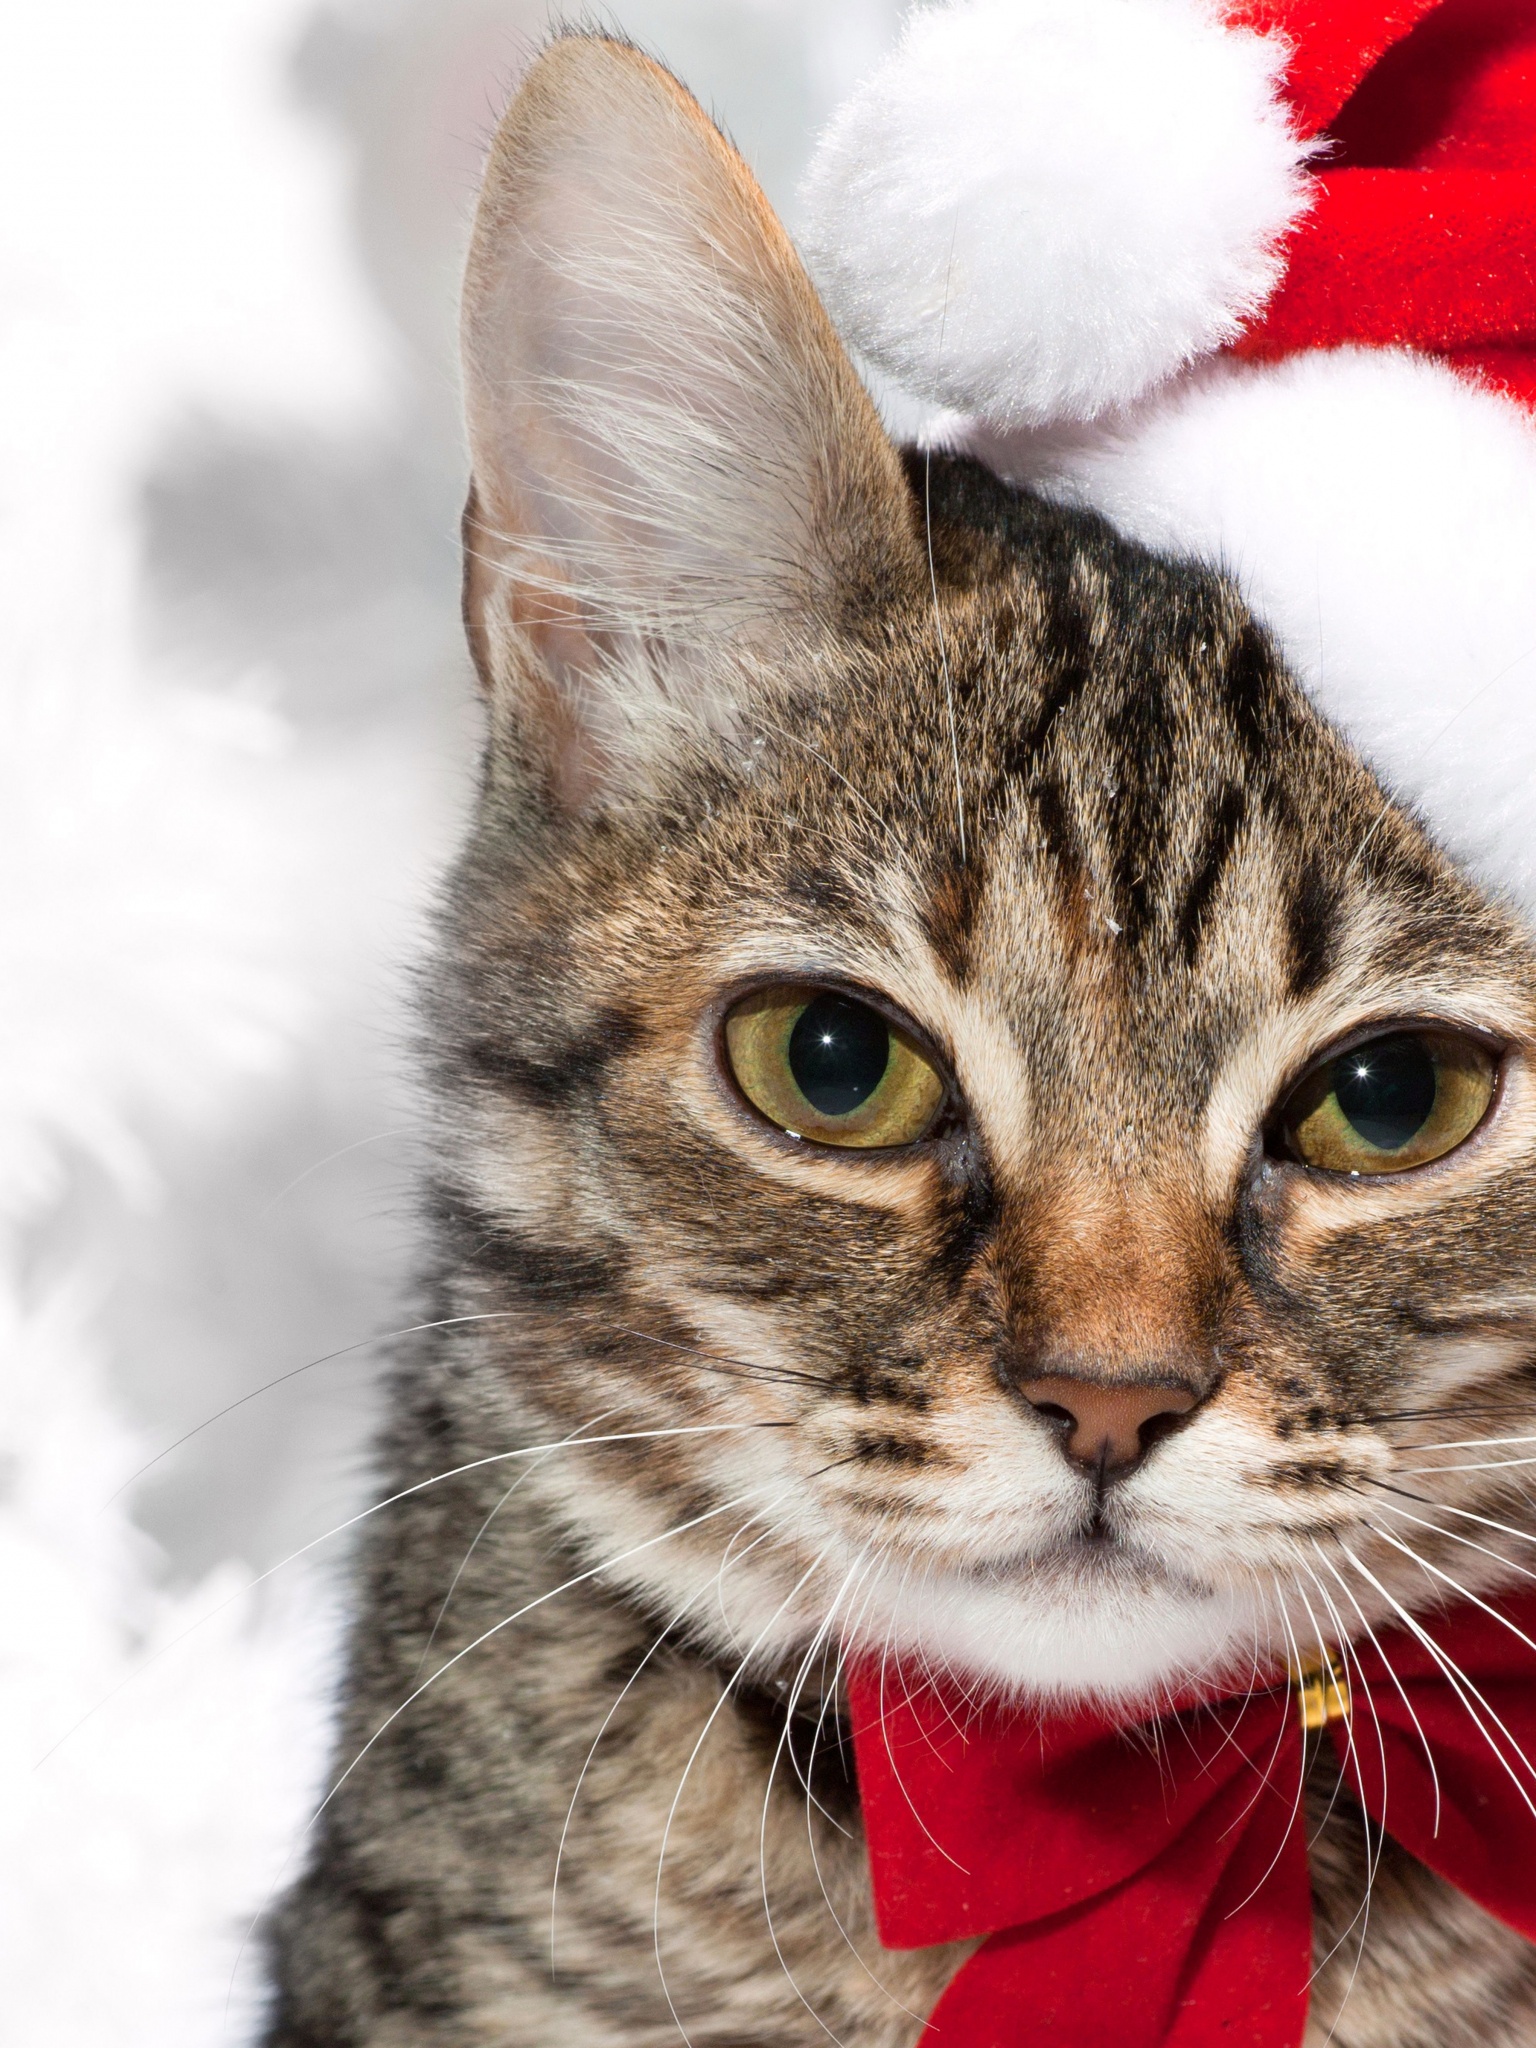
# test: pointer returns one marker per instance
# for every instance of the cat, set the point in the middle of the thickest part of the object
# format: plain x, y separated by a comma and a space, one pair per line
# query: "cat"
898, 1180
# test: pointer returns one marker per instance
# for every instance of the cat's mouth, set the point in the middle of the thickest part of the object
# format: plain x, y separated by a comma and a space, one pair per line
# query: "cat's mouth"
1075, 1614
1093, 1557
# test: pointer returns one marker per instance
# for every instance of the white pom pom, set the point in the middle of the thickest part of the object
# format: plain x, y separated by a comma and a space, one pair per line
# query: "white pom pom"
1040, 208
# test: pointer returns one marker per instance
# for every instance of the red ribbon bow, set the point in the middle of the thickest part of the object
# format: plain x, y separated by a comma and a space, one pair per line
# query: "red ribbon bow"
1148, 1887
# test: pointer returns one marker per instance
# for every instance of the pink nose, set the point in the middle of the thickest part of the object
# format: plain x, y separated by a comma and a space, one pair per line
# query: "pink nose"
1101, 1424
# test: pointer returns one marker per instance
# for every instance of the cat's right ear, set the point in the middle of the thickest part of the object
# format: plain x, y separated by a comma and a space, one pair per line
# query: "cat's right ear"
678, 477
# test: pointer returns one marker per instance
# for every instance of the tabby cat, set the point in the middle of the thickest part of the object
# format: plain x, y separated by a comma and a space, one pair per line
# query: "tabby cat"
970, 1127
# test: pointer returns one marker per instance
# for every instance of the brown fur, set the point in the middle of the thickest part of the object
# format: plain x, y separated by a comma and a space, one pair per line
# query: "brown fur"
725, 722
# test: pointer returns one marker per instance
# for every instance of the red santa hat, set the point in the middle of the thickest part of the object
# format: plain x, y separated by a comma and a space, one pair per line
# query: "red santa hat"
1258, 282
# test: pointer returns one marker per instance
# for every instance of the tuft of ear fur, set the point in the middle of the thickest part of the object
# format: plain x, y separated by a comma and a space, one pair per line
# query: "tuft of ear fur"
678, 477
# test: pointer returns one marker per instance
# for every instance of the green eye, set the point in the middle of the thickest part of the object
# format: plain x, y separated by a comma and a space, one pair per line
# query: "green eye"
826, 1067
1390, 1103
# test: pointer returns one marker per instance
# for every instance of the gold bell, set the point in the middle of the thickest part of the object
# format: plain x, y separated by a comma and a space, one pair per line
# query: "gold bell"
1322, 1690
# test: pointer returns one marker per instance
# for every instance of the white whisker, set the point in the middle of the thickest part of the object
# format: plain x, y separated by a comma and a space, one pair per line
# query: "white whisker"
817, 1644
1482, 1465
1264, 1777
623, 1694
1455, 1536
885, 1733
474, 1543
714, 1713
247, 1587
1391, 1671
1473, 1443
1442, 1507
1460, 1684
310, 1365
542, 1600
1375, 1842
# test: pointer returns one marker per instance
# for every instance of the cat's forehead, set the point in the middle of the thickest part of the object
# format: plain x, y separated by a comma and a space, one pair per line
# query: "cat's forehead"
1066, 810
1086, 735
1084, 806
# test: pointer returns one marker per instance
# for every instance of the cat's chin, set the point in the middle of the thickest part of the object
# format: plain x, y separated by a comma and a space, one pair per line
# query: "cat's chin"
1086, 1621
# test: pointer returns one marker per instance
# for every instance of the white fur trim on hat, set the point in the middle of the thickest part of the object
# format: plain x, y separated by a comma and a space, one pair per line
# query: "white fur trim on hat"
1379, 511
1037, 209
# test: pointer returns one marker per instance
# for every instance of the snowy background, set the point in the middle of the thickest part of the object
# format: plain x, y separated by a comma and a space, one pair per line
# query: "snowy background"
237, 738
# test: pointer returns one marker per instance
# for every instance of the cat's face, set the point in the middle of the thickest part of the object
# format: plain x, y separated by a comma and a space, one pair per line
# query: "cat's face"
955, 1040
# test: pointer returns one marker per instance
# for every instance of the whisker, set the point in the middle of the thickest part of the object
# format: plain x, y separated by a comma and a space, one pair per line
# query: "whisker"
885, 1733
1391, 1670
714, 1713
837, 1678
1445, 1508
797, 740
147, 1662
1475, 1443
319, 1165
1375, 1842
733, 1367
1484, 1465
623, 1694
282, 1379
1264, 1775
1454, 1536
1460, 1684
542, 1600
1322, 1651
817, 1643
1348, 1719
1433, 1412
829, 1698
474, 1543
1263, 1784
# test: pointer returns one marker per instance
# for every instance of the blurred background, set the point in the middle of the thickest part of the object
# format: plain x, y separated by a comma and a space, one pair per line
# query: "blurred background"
239, 735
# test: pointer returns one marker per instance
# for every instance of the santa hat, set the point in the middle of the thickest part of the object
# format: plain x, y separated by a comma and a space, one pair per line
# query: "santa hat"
1258, 282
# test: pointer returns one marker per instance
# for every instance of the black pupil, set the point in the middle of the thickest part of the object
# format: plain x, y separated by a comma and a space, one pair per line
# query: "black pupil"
1387, 1090
838, 1053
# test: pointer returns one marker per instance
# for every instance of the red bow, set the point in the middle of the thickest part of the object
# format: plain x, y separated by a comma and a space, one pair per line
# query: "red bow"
1148, 1887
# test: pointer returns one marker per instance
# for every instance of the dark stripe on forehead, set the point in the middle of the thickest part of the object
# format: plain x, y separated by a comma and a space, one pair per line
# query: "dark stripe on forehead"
1312, 916
1064, 639
1249, 676
1057, 833
949, 916
1140, 812
1220, 838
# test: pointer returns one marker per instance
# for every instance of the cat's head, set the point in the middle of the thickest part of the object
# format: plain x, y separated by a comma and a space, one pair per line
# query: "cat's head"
934, 1022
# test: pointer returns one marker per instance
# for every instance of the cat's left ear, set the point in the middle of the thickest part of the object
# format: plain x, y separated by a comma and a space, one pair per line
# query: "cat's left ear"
678, 477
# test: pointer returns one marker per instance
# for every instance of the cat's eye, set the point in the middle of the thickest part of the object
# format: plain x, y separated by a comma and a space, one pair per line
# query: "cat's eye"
824, 1066
1389, 1103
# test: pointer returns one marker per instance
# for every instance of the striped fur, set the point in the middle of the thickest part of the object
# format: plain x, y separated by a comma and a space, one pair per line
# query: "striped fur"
796, 1371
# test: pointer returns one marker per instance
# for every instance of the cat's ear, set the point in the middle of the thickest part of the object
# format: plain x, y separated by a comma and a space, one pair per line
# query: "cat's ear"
678, 477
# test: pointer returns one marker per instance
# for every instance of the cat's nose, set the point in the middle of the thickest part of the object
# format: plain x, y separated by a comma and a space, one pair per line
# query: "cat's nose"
1106, 1425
